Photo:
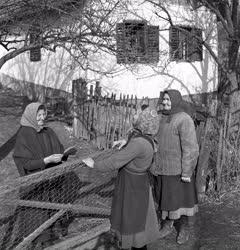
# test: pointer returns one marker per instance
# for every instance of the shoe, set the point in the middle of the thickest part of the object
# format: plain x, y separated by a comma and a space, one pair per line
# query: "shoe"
183, 235
166, 229
139, 248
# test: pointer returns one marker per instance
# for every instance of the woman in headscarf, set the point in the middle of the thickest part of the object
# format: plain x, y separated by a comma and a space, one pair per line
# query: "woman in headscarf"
37, 148
133, 215
176, 160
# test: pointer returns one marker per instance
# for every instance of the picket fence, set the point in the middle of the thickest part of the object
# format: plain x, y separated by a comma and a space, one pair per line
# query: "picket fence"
98, 118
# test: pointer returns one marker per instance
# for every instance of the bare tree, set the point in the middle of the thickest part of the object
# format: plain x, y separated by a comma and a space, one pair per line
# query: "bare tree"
227, 15
81, 27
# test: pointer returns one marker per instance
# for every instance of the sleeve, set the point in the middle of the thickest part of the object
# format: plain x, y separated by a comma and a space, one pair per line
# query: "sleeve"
65, 157
23, 156
28, 164
120, 158
55, 140
189, 146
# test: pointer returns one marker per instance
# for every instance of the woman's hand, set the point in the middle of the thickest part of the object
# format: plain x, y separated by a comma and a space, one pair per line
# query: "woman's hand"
89, 162
55, 158
119, 144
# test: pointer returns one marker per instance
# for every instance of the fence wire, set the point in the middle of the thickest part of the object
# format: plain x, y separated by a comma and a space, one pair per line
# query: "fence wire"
41, 209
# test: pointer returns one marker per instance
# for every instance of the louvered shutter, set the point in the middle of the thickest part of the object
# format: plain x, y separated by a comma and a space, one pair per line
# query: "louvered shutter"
174, 43
121, 41
35, 38
195, 51
152, 44
136, 41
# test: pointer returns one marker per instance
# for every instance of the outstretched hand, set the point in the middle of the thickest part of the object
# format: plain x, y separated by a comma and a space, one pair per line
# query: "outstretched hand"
89, 162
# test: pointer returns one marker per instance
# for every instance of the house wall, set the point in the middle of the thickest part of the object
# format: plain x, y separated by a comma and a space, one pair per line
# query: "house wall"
148, 80
189, 78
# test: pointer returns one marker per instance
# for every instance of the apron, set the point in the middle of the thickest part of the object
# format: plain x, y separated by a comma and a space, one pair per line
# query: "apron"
130, 202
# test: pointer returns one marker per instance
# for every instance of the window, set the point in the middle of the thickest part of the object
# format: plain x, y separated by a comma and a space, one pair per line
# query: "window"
185, 43
35, 38
137, 42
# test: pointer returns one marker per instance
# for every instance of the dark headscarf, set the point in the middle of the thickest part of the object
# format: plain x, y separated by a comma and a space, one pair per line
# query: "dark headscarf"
176, 102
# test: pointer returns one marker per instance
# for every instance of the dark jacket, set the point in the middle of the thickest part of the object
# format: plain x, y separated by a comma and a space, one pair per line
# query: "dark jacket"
131, 193
32, 147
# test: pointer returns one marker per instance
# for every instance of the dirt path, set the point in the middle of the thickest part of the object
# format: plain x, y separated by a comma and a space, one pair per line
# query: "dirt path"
217, 227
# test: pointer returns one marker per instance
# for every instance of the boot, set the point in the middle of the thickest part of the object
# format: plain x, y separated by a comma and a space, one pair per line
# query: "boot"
184, 232
166, 229
183, 235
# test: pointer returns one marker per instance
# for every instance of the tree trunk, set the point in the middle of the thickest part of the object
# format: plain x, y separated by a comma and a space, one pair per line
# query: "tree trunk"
234, 102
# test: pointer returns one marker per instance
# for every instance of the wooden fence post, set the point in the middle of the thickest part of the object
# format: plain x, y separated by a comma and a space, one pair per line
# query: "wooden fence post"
75, 115
204, 154
79, 91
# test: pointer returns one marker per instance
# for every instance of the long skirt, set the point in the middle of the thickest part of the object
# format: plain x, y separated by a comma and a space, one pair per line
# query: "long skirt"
133, 215
175, 197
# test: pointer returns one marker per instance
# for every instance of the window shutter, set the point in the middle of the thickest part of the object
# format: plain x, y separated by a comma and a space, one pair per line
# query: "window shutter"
121, 40
174, 43
195, 51
131, 41
35, 38
185, 43
135, 32
137, 42
153, 44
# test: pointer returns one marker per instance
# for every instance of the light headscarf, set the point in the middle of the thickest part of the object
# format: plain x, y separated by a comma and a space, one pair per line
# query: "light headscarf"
29, 117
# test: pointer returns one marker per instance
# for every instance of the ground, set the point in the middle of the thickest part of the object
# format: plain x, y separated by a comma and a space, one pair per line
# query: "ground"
217, 225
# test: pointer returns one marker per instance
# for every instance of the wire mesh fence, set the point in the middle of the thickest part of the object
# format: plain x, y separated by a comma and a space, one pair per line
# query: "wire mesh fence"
50, 206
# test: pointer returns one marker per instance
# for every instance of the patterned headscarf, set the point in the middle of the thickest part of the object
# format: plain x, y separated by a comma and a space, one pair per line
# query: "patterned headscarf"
147, 121
29, 117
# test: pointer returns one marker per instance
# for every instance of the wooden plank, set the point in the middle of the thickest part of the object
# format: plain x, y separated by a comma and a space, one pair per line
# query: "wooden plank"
77, 208
75, 119
114, 121
120, 118
25, 243
79, 240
